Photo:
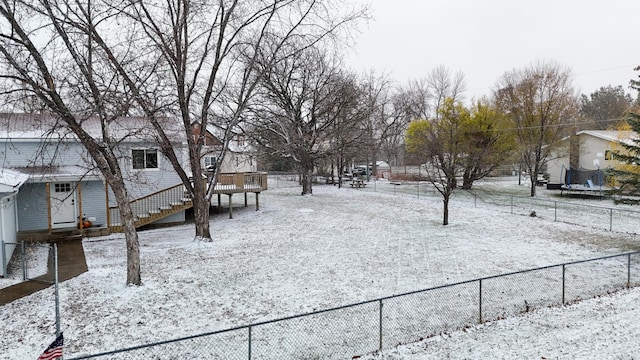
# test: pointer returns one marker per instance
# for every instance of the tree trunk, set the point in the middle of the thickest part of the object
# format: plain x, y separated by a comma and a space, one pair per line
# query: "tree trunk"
307, 176
201, 218
533, 187
201, 209
129, 229
534, 179
445, 210
467, 181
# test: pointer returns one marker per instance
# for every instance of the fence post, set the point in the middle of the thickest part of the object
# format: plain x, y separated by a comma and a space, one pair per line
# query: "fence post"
23, 261
3, 258
418, 187
480, 303
475, 200
628, 270
55, 279
610, 219
563, 271
512, 204
555, 211
249, 342
380, 325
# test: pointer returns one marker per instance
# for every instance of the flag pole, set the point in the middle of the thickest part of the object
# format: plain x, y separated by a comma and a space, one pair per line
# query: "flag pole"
57, 294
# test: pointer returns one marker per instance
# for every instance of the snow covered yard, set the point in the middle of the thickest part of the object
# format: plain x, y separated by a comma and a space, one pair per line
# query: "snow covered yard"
296, 255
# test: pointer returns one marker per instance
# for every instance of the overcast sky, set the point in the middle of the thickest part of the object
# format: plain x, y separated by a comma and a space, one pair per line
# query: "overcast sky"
599, 40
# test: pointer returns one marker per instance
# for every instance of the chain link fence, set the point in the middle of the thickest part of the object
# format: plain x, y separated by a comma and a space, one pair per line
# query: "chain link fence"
601, 217
25, 261
357, 329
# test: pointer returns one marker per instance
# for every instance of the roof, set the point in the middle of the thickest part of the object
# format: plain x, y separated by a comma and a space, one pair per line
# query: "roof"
10, 181
20, 126
47, 173
619, 136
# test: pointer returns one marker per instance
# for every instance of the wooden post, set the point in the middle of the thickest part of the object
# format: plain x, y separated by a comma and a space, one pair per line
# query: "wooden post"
106, 198
257, 201
80, 205
48, 192
230, 207
245, 199
219, 200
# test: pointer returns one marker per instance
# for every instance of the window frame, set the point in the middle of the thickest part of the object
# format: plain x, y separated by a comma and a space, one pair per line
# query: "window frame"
146, 152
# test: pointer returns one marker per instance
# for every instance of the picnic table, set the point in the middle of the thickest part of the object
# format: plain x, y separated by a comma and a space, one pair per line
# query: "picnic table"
358, 183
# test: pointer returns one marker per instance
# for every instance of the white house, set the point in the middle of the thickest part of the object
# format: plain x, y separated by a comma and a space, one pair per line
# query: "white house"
239, 158
594, 149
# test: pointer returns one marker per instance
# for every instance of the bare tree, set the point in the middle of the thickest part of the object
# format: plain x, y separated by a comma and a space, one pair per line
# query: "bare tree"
302, 98
348, 134
54, 71
541, 103
442, 85
210, 50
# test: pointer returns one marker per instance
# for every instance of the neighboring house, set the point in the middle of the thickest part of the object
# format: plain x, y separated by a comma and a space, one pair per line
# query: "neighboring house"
64, 186
10, 183
239, 158
594, 152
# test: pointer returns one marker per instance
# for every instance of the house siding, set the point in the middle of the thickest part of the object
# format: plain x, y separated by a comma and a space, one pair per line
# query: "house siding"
94, 201
145, 181
592, 148
33, 213
32, 153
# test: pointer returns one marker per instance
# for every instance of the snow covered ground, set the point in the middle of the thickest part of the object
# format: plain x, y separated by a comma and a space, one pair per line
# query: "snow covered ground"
337, 247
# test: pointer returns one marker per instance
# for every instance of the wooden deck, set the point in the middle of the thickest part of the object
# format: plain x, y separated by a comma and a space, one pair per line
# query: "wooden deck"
164, 203
232, 183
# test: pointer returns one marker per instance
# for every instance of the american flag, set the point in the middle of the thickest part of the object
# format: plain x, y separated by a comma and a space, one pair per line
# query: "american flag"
54, 351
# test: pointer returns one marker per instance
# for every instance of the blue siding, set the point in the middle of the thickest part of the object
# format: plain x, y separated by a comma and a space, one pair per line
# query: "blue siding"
33, 213
32, 199
94, 201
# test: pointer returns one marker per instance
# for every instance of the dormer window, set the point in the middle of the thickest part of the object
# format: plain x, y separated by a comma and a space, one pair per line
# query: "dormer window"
241, 140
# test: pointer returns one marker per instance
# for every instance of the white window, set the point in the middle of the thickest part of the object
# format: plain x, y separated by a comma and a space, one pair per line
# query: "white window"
144, 159
241, 140
62, 187
210, 162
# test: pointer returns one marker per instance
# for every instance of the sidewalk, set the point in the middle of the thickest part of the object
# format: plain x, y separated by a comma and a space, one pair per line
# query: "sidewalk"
71, 263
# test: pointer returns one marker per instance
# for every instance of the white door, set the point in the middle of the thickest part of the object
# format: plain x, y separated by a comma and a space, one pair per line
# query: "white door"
63, 205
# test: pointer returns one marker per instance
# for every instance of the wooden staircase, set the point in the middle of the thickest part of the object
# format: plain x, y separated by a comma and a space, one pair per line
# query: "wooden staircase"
153, 207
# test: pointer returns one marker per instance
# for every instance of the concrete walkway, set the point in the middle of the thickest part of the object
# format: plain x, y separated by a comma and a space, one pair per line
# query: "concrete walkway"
71, 263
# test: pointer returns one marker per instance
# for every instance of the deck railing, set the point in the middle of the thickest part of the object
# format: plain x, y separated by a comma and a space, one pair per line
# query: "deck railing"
163, 203
240, 182
152, 204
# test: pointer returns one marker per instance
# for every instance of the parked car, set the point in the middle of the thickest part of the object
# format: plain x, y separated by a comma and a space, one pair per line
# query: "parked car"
360, 171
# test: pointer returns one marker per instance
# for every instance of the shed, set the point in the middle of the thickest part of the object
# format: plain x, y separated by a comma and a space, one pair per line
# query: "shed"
10, 183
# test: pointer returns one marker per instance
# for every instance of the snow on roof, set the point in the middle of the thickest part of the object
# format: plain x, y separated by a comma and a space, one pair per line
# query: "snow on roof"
58, 173
625, 137
10, 180
49, 126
